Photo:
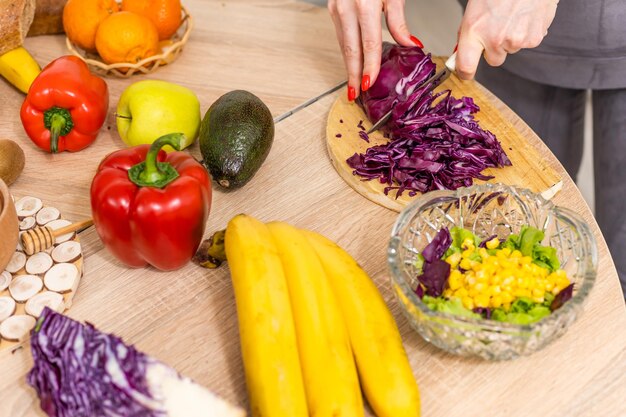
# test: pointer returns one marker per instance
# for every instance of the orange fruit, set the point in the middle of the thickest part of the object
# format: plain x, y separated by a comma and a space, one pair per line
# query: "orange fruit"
81, 19
126, 37
165, 14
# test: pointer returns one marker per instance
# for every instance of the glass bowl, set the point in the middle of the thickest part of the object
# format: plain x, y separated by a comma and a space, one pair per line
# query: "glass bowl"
486, 210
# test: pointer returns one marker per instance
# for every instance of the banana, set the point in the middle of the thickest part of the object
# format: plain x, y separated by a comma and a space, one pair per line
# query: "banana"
382, 363
266, 326
330, 376
19, 68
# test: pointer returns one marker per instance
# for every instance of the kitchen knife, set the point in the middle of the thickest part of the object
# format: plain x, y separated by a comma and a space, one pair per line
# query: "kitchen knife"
435, 80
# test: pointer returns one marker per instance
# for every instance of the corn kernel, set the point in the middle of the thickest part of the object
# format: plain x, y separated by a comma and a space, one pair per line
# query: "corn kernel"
522, 282
468, 243
483, 253
481, 276
461, 293
516, 254
507, 297
493, 243
465, 264
549, 286
455, 280
495, 279
468, 302
477, 266
467, 253
496, 301
504, 252
521, 292
525, 260
509, 280
537, 293
506, 306
481, 300
506, 263
495, 290
481, 287
538, 299
454, 259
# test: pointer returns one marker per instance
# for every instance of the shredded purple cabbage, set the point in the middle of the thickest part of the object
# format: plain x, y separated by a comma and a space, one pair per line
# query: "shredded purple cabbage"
434, 277
79, 371
438, 246
435, 271
363, 135
485, 312
419, 291
562, 297
435, 142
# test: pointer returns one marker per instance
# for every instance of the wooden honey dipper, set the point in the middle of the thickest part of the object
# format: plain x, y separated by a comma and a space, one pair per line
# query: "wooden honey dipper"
42, 238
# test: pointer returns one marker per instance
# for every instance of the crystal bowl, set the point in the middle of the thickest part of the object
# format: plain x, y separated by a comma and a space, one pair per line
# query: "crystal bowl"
487, 210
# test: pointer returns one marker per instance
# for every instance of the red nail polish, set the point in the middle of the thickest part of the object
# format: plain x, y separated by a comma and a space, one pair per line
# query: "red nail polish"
455, 48
416, 41
351, 94
365, 83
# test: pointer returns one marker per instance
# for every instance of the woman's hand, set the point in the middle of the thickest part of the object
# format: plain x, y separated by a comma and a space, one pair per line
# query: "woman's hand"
500, 27
359, 31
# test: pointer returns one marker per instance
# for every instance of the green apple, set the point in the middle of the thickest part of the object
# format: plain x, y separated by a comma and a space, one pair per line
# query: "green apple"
150, 109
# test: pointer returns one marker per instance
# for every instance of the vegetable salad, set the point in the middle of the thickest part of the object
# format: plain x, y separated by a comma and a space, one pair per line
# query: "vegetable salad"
517, 280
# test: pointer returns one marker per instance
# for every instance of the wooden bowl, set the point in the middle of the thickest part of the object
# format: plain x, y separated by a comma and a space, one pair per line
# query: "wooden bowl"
170, 50
8, 226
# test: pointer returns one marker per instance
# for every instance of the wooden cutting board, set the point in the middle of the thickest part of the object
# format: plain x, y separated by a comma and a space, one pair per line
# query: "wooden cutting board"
529, 170
9, 345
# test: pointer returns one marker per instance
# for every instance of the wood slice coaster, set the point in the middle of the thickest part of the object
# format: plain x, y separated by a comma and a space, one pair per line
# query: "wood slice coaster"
48, 278
529, 170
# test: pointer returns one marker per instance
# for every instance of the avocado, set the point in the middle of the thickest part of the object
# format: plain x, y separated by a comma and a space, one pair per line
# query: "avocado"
235, 137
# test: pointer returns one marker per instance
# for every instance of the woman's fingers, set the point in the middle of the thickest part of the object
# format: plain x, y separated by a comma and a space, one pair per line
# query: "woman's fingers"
396, 22
501, 27
347, 25
468, 54
369, 13
358, 26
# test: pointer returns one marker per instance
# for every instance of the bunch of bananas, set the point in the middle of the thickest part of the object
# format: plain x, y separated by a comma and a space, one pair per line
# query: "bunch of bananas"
19, 68
312, 323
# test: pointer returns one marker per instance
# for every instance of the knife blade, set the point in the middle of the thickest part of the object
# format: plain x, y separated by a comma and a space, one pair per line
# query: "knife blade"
435, 80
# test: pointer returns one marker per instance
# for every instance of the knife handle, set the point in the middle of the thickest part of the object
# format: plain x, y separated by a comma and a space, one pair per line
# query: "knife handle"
451, 62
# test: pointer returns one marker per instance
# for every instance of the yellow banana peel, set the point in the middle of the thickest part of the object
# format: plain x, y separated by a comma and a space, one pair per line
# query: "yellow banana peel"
383, 366
19, 68
266, 325
330, 376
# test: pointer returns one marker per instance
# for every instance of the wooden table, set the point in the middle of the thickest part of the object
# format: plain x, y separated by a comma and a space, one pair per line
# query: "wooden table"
286, 53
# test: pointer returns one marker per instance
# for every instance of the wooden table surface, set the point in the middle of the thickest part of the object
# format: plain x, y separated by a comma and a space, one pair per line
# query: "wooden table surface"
286, 53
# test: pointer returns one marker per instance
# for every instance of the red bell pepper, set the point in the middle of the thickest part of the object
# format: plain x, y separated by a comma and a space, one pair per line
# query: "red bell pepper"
65, 107
150, 207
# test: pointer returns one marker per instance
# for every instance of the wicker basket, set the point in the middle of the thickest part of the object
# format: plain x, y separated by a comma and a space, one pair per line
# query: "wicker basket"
170, 52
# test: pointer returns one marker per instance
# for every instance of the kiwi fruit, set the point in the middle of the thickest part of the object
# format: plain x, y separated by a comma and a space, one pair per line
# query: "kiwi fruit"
11, 161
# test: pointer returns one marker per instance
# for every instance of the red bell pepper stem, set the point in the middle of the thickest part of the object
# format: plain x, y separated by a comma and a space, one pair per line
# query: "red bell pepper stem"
59, 122
151, 173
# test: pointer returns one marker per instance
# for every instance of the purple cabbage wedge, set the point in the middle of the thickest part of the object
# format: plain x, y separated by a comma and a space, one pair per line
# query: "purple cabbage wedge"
434, 140
81, 372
